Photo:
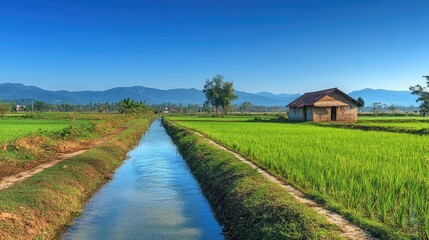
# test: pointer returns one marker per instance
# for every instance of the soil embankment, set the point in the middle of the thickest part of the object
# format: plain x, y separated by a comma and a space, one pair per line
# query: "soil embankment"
9, 181
41, 206
247, 204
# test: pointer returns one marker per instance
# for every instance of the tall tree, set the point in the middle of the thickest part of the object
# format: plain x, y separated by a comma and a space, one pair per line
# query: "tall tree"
212, 90
127, 105
361, 101
219, 94
227, 96
423, 96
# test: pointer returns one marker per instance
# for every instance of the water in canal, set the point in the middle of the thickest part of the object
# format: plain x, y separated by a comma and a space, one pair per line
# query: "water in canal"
152, 195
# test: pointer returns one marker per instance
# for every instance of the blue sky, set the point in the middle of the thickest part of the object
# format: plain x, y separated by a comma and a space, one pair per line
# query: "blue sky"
281, 46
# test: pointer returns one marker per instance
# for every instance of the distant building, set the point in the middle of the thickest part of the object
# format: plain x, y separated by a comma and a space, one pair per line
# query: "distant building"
19, 108
324, 106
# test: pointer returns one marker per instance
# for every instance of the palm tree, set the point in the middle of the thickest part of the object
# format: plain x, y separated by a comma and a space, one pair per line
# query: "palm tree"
127, 104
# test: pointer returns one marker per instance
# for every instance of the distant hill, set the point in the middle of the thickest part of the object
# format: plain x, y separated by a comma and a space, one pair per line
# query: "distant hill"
283, 96
17, 91
389, 97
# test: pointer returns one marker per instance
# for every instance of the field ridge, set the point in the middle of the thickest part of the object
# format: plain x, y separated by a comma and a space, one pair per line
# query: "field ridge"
11, 180
348, 229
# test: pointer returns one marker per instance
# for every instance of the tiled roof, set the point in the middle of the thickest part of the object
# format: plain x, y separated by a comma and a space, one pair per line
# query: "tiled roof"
308, 99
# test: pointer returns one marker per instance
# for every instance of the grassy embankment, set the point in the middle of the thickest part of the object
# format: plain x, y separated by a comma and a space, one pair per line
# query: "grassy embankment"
43, 205
379, 180
248, 205
28, 140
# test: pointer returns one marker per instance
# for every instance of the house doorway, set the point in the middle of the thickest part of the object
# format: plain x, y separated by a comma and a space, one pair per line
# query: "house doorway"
333, 113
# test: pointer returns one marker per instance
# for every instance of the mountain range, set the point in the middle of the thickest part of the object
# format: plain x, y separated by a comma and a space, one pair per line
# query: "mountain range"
17, 91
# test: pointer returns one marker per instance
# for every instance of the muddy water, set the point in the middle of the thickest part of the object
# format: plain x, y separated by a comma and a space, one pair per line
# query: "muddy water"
151, 196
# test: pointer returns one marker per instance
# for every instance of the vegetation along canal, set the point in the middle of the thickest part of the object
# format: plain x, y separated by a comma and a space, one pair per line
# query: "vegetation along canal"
153, 195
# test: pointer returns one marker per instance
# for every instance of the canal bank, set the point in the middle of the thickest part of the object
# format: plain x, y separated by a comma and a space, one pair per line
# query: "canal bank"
43, 205
248, 205
153, 195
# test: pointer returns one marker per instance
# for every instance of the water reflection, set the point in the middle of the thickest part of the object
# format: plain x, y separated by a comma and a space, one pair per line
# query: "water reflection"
151, 196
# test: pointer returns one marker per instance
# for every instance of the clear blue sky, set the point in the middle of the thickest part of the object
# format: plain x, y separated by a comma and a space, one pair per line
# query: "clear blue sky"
282, 46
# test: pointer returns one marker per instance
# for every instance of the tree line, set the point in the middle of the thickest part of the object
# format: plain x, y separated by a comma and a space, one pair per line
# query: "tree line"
125, 106
180, 108
219, 97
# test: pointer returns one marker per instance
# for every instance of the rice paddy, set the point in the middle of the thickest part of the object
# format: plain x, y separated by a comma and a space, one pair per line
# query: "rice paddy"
16, 126
13, 128
405, 125
377, 178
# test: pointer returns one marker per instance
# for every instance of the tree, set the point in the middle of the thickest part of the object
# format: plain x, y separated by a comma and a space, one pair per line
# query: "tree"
219, 94
227, 96
393, 108
377, 108
130, 106
206, 107
212, 90
245, 106
423, 96
4, 108
127, 104
361, 101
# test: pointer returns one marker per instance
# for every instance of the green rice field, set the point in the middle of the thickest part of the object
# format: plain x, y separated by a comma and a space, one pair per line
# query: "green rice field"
243, 118
406, 125
16, 127
393, 119
380, 180
411, 123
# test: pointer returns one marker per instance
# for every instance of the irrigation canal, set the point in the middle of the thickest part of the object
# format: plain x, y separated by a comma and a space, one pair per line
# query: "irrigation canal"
153, 195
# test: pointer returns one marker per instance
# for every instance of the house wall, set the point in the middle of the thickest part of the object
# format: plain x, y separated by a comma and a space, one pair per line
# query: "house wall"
347, 114
322, 114
296, 114
346, 110
335, 97
309, 112
344, 114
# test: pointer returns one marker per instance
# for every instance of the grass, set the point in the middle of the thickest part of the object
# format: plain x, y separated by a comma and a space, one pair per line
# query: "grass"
14, 128
41, 206
19, 125
247, 205
404, 124
377, 179
27, 140
393, 119
207, 118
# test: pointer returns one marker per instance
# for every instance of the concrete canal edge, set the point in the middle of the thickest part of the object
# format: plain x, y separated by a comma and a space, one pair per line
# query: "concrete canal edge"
247, 205
44, 205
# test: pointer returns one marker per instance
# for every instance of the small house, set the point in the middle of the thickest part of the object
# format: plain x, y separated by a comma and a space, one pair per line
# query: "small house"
324, 106
19, 108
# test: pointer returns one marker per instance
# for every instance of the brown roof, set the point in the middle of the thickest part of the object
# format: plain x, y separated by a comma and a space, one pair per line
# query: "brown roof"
308, 99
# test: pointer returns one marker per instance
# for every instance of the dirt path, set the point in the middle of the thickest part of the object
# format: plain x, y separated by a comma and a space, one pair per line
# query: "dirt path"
348, 229
11, 180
